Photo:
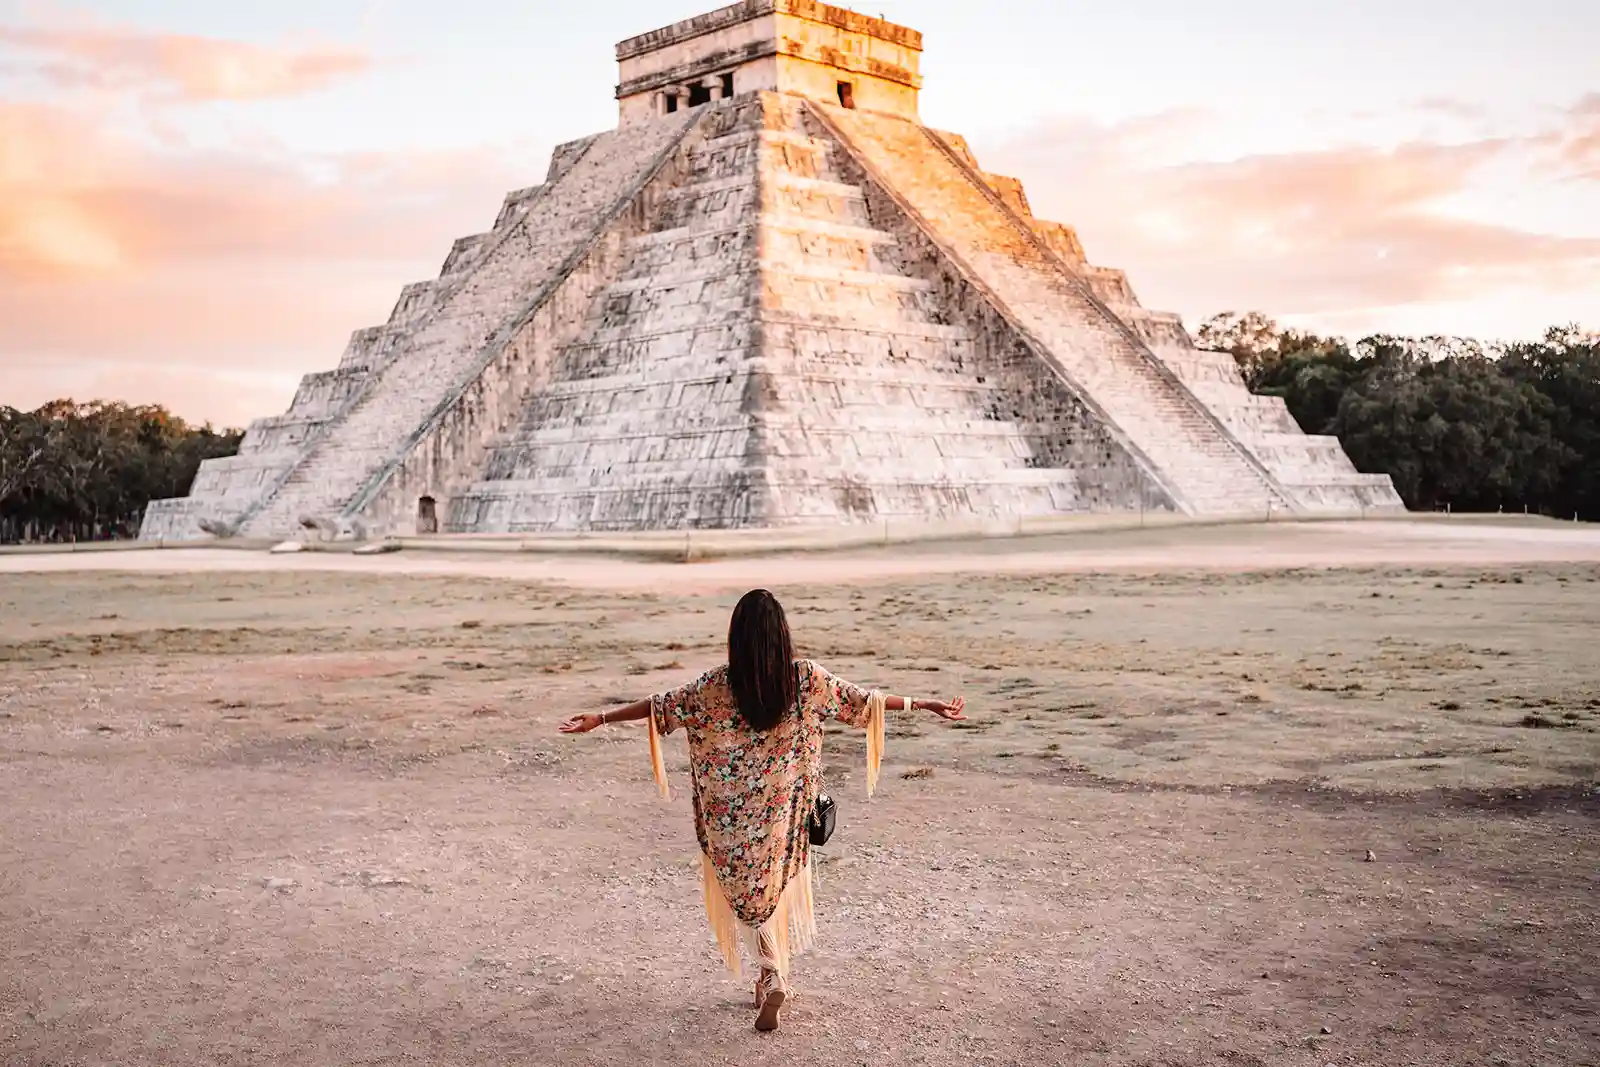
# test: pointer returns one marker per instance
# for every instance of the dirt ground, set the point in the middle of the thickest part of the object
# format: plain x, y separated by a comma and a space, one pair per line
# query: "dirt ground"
1231, 797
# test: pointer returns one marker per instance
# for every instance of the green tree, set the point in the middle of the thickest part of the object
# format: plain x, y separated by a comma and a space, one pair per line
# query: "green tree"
23, 446
1450, 419
83, 471
1449, 428
1269, 356
1565, 368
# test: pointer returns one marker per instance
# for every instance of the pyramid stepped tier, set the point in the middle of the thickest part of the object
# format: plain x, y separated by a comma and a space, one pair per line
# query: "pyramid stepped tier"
467, 325
770, 297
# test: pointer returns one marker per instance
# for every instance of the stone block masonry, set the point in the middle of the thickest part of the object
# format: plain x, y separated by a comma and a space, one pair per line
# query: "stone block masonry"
766, 309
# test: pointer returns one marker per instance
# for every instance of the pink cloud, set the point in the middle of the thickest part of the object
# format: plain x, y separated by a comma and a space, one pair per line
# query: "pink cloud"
1305, 233
169, 265
193, 69
1580, 140
79, 201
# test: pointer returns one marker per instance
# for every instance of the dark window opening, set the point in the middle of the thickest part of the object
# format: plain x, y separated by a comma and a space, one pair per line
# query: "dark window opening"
427, 516
699, 94
847, 95
727, 85
672, 102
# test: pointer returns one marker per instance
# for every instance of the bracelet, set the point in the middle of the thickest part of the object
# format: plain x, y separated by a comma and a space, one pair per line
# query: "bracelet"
603, 720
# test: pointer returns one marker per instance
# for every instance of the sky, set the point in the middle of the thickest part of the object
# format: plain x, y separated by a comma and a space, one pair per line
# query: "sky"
199, 202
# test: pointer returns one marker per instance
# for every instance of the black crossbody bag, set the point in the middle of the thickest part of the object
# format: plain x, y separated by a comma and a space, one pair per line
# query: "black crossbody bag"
822, 819
825, 813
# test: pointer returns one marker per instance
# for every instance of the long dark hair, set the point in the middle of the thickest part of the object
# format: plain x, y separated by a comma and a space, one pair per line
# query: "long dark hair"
761, 660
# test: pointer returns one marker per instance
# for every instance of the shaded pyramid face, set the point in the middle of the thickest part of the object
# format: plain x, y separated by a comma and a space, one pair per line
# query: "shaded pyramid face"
766, 311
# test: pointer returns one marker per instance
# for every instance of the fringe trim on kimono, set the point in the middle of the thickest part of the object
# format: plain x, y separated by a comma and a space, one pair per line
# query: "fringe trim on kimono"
876, 705
790, 931
657, 763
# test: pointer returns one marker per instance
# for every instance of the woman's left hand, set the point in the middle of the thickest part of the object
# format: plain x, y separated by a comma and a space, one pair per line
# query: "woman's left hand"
951, 711
581, 724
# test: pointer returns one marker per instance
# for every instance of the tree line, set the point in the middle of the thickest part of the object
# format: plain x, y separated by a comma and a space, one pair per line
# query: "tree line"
1455, 422
86, 472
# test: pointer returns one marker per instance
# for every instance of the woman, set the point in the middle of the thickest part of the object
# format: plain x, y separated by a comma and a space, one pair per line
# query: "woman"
755, 750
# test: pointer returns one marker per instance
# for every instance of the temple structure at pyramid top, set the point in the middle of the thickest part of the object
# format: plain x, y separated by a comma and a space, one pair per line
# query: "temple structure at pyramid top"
769, 297
797, 47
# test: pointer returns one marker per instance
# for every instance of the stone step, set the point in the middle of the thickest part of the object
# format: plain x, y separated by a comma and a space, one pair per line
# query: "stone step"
809, 225
908, 329
676, 235
889, 474
1334, 478
803, 378
777, 271
637, 425
842, 190
730, 504
770, 221
762, 136
1299, 440
772, 271
668, 467
708, 187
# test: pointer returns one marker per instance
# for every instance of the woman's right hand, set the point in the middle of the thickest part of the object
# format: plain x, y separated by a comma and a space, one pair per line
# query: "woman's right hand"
582, 724
951, 711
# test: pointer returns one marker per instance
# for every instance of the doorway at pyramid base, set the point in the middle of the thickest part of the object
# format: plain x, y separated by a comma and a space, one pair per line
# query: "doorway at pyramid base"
765, 311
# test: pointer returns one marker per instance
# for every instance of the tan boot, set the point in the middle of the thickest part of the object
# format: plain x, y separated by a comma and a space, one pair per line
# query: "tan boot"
771, 992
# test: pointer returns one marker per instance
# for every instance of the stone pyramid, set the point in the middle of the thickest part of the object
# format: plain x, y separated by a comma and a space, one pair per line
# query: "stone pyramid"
769, 297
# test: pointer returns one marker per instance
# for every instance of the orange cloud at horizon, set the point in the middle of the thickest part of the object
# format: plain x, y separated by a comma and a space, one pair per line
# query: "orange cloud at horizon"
225, 398
76, 198
193, 68
187, 277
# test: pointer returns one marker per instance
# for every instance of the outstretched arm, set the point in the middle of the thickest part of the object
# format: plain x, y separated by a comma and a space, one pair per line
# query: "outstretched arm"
952, 710
590, 720
846, 702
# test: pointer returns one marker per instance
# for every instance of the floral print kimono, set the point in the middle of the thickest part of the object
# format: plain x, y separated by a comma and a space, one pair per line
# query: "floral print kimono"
754, 792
